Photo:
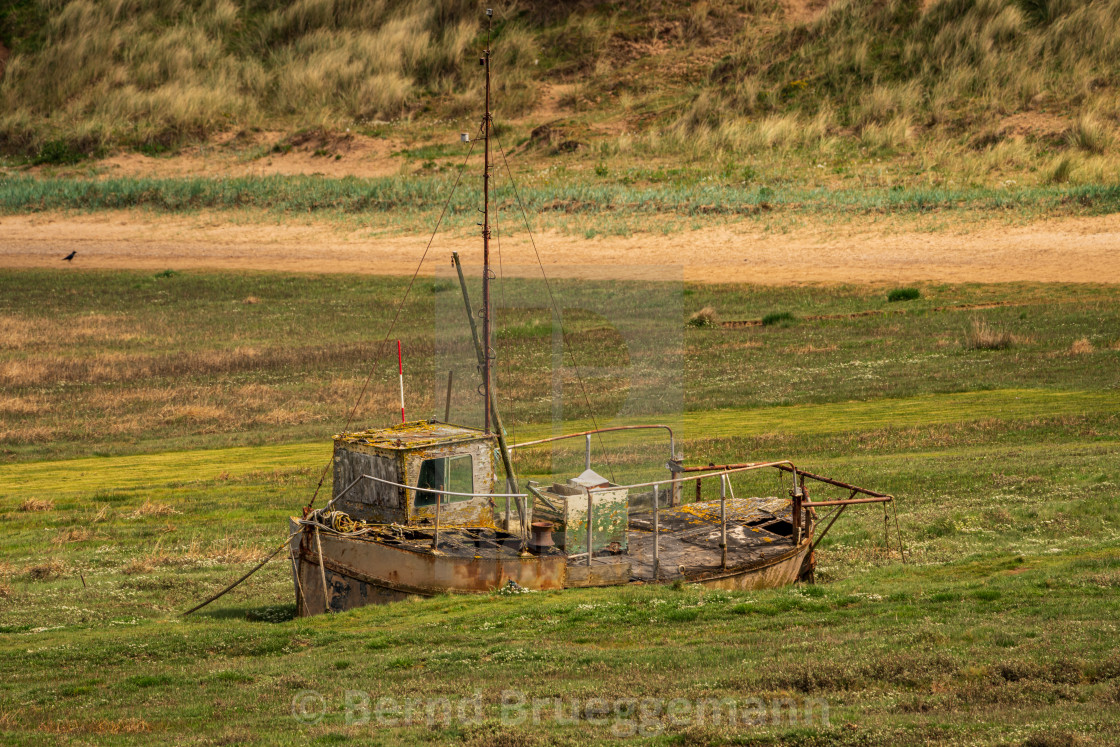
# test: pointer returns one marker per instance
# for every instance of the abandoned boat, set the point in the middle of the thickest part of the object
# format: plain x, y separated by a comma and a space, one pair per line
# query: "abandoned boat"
413, 512
415, 509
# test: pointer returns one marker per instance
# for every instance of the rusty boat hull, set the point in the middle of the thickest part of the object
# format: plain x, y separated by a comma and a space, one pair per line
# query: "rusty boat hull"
360, 571
363, 571
782, 570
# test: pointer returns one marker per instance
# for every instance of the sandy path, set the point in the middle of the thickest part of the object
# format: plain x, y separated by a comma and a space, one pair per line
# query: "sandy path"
1059, 250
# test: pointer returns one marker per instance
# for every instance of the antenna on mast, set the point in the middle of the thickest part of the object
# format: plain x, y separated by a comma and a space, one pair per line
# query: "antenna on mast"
487, 350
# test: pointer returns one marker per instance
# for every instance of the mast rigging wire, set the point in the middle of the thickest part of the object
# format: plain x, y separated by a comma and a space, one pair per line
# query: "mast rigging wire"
404, 299
502, 302
555, 309
365, 386
393, 323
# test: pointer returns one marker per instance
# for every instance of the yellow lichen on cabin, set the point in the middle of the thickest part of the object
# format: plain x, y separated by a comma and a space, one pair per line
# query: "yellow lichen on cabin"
416, 434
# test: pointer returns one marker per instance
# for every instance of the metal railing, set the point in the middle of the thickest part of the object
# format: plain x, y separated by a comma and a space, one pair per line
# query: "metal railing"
676, 481
799, 494
588, 434
802, 496
415, 488
674, 493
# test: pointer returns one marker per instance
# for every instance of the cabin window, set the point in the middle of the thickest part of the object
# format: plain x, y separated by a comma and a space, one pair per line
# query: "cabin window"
455, 474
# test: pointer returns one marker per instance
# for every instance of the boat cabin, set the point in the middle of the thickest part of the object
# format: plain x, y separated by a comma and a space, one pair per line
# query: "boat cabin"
425, 455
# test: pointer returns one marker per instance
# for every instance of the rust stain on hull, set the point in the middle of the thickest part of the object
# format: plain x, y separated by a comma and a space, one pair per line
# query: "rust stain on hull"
359, 572
780, 571
363, 571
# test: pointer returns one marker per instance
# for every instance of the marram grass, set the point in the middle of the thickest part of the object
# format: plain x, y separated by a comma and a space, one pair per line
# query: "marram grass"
415, 202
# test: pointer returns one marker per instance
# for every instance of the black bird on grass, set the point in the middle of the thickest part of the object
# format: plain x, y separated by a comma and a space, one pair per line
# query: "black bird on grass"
70, 257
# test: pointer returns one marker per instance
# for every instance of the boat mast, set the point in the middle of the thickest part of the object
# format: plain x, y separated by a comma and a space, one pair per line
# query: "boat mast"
486, 334
483, 348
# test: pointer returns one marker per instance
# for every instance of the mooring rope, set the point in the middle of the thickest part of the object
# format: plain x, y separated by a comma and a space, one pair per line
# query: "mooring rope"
393, 323
365, 386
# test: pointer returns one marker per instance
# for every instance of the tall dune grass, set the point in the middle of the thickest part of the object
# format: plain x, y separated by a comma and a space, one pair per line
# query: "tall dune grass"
887, 70
158, 72
413, 203
696, 79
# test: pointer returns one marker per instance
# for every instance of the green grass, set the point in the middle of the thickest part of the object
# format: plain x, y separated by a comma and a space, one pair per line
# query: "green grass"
997, 413
996, 631
97, 364
562, 201
778, 318
1013, 549
904, 294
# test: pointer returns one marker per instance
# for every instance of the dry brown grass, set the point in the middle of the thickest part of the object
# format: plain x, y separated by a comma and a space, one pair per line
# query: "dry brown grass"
1115, 345
109, 411
810, 348
95, 726
1090, 134
705, 317
192, 414
118, 367
5, 590
250, 300
198, 68
30, 505
1081, 347
1109, 580
767, 80
73, 534
50, 569
285, 416
945, 79
227, 550
22, 406
157, 558
1060, 169
230, 551
151, 508
139, 566
32, 434
22, 373
19, 332
982, 336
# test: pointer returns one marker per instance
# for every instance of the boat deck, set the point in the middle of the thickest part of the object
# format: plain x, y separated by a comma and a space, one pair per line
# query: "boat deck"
758, 531
379, 563
466, 542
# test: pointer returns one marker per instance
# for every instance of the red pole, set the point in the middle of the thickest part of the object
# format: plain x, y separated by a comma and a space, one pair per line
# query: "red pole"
400, 372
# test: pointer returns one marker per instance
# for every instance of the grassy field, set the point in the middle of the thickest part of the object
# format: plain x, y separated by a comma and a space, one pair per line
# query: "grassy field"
102, 363
158, 429
146, 467
998, 630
